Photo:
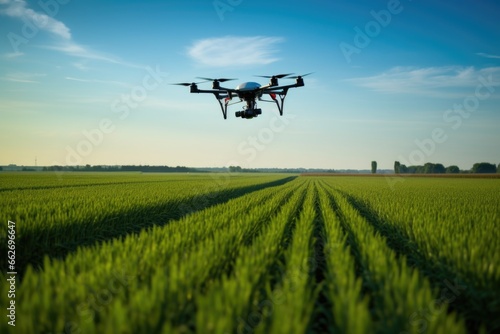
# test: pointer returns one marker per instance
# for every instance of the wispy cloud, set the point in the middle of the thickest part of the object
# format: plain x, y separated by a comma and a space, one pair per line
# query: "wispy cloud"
235, 50
429, 80
110, 82
487, 55
19, 9
23, 77
81, 65
12, 55
76, 50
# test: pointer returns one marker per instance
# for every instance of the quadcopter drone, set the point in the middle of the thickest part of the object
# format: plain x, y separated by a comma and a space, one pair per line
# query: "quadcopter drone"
248, 92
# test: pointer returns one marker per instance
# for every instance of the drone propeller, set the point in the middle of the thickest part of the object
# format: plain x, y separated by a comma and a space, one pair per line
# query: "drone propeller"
219, 80
187, 83
300, 76
277, 76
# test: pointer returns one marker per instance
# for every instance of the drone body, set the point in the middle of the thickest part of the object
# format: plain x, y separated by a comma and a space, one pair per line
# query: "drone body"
248, 92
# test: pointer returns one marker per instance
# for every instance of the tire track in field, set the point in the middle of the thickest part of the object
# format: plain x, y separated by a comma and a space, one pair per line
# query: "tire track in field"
470, 301
62, 240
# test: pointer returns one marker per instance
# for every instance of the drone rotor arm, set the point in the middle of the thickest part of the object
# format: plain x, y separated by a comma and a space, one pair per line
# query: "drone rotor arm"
277, 88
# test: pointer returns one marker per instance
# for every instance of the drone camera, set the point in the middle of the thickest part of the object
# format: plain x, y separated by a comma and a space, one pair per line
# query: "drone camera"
248, 113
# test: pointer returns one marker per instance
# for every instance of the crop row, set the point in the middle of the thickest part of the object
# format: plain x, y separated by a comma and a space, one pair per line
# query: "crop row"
329, 255
55, 221
447, 229
149, 278
397, 292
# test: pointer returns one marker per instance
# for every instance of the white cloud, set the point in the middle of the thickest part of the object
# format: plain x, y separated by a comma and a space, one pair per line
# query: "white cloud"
12, 55
235, 51
19, 9
24, 77
487, 55
76, 50
428, 80
110, 82
81, 65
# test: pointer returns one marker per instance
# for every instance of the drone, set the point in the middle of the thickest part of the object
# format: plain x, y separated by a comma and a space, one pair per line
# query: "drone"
248, 92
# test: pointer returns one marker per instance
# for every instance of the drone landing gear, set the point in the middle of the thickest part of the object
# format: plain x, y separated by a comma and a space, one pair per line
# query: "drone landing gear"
223, 107
282, 97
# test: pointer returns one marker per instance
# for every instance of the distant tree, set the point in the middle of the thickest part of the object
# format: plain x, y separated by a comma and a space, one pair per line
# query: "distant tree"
452, 170
374, 167
415, 169
234, 169
431, 168
428, 168
397, 167
439, 169
498, 168
1, 168
403, 169
484, 167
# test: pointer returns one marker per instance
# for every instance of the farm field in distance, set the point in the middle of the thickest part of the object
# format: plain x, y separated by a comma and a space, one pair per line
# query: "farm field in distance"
251, 253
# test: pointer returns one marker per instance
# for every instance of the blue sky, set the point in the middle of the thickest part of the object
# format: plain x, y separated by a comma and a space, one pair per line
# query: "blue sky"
88, 82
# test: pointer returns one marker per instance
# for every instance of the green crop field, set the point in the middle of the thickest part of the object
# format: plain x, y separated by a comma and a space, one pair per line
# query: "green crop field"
249, 253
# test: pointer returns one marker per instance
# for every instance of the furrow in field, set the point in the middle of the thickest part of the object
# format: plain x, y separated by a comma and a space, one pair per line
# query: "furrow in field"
321, 319
236, 303
203, 265
147, 279
345, 307
458, 289
399, 293
297, 290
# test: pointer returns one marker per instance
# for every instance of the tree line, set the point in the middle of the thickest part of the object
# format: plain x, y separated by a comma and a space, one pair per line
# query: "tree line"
437, 168
125, 168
